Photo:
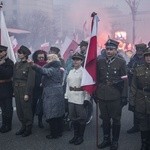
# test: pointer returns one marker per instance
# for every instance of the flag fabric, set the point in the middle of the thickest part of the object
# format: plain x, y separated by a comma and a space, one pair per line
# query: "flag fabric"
45, 46
15, 44
67, 46
89, 72
5, 39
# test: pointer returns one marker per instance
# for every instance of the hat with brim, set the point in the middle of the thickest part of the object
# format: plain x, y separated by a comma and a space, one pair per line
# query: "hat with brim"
140, 47
111, 44
77, 56
24, 50
147, 51
83, 43
55, 49
3, 48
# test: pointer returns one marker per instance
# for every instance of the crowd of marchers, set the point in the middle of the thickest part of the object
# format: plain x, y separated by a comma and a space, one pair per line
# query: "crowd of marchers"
49, 87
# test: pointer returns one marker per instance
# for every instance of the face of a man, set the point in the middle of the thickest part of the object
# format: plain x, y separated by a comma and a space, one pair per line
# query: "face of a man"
77, 63
139, 53
110, 52
2, 54
83, 49
147, 58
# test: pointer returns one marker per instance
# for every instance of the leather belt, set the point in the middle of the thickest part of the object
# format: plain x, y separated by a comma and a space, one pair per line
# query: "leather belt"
75, 89
5, 81
144, 89
20, 84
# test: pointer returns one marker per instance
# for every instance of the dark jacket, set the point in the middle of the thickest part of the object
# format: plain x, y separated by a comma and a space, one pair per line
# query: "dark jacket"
24, 74
140, 89
110, 86
6, 73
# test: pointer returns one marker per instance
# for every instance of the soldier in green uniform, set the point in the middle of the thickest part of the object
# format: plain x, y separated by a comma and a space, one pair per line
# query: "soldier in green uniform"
111, 93
23, 81
140, 98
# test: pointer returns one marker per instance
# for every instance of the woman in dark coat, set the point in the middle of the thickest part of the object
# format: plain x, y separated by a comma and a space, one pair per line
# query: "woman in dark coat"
53, 100
39, 57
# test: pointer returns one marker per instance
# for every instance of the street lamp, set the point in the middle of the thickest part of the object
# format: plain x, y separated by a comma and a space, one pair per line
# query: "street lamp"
133, 4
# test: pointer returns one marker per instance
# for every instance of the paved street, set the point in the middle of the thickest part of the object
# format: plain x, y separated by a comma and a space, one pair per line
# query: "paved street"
37, 141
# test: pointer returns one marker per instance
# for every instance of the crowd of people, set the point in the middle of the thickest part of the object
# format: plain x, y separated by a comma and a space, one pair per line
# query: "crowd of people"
48, 86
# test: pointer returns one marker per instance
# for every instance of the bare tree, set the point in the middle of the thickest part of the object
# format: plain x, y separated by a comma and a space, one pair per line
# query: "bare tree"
42, 28
133, 4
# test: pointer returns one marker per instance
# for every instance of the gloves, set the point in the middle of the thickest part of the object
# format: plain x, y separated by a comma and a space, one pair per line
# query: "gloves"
85, 104
131, 108
95, 98
124, 101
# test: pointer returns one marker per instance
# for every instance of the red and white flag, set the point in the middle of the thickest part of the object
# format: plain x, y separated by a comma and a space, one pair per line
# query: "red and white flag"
67, 46
5, 39
89, 74
45, 46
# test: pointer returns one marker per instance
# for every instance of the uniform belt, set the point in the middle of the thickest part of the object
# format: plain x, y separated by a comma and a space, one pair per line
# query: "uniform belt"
75, 89
4, 81
144, 89
20, 84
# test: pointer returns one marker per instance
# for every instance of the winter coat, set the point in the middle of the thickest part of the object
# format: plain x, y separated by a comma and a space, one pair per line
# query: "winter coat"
53, 99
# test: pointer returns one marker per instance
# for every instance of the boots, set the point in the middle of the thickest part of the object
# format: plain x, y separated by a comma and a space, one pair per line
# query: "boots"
144, 139
6, 122
106, 141
115, 134
76, 132
28, 131
53, 129
80, 139
40, 123
135, 128
21, 131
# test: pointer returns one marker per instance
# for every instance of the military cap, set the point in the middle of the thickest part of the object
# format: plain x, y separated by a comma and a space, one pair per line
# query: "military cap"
141, 46
56, 50
77, 55
83, 43
24, 50
147, 51
3, 48
112, 44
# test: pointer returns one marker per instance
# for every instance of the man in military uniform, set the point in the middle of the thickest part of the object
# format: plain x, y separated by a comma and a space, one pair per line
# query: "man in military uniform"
135, 61
139, 98
111, 93
23, 80
6, 89
83, 47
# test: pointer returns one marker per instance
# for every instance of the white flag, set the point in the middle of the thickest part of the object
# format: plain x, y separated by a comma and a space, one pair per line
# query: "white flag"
5, 39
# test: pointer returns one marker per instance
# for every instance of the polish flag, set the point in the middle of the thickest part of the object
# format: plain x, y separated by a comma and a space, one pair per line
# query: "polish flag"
67, 46
5, 39
45, 46
89, 74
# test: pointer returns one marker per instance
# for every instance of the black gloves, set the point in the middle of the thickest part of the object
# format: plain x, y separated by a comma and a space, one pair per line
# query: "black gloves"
131, 108
124, 101
85, 104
